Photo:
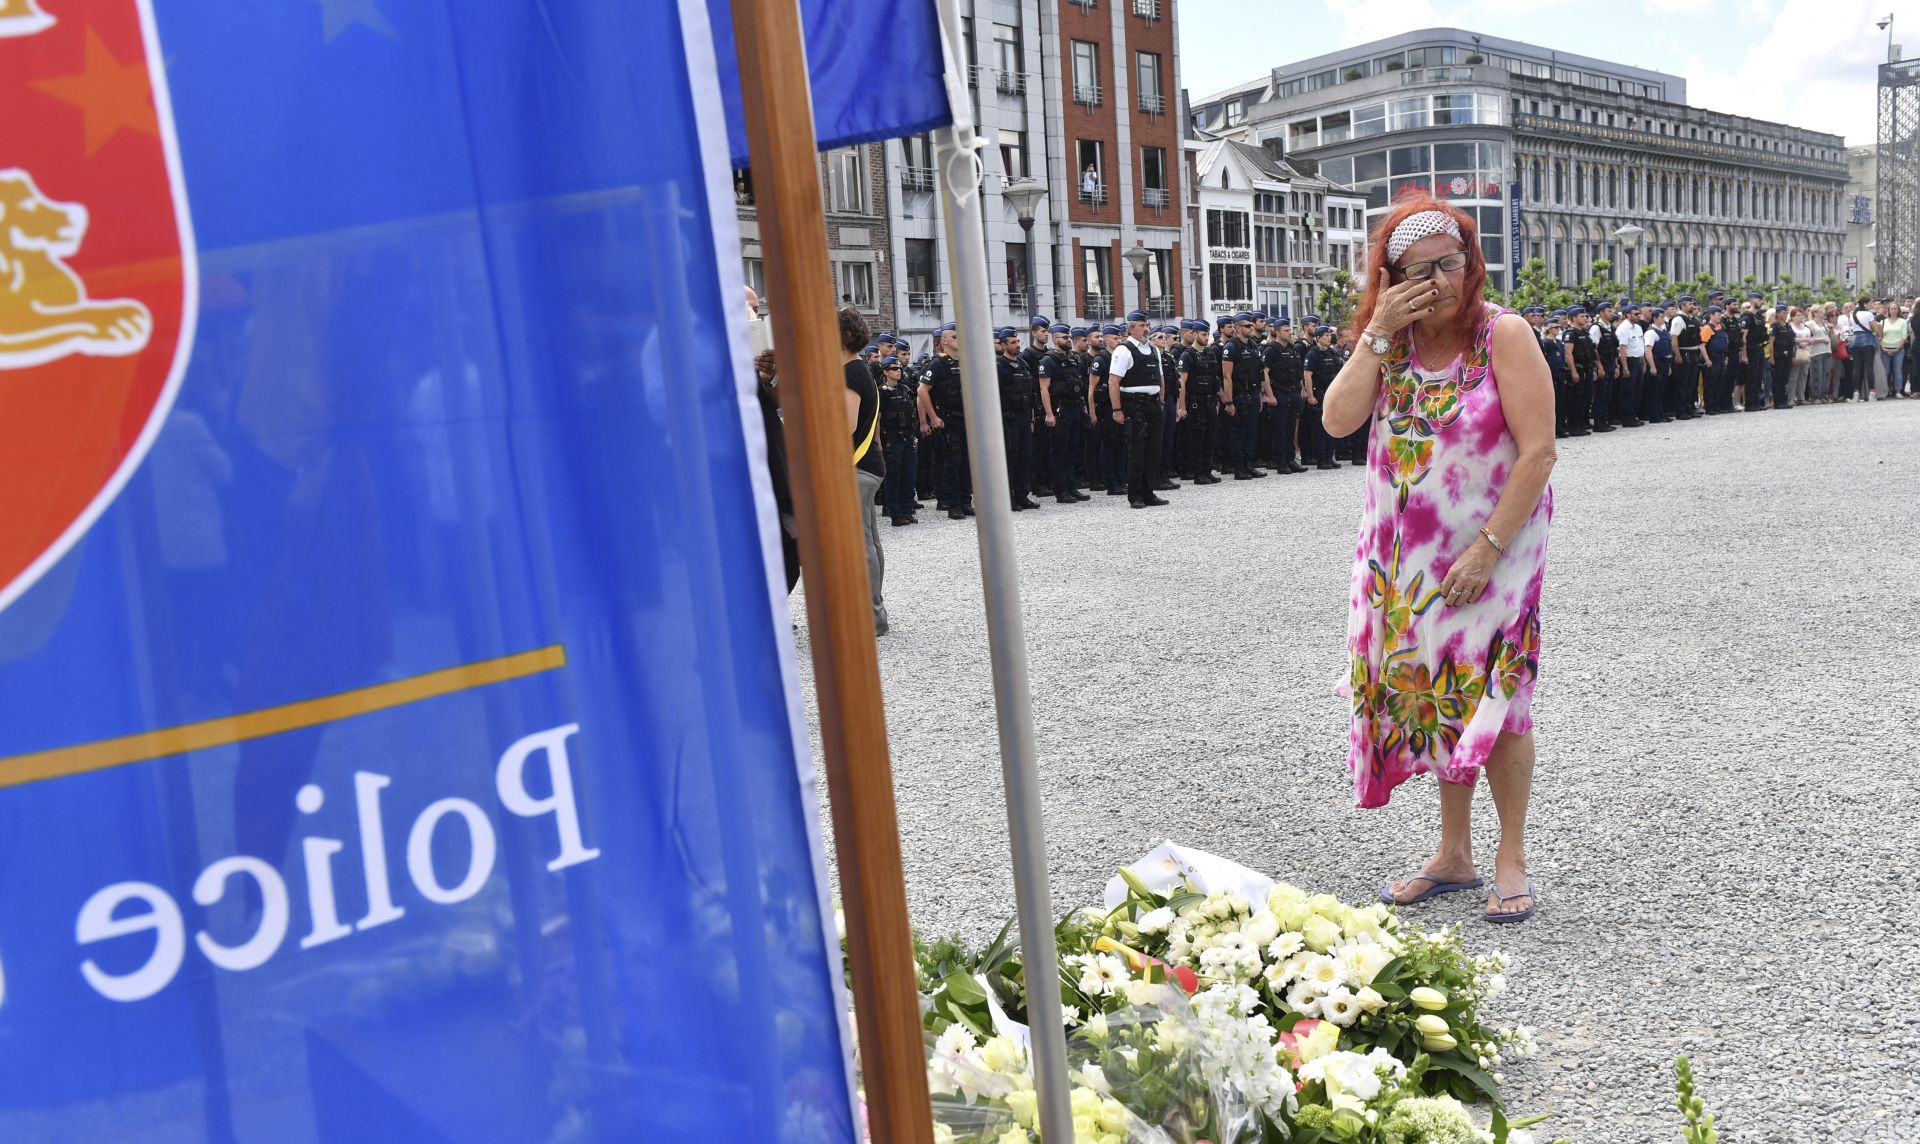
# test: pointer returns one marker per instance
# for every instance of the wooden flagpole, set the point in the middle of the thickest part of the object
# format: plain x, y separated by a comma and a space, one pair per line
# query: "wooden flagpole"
853, 730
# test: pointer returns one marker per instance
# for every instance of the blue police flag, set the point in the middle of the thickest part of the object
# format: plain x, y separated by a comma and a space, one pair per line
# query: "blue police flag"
399, 735
874, 68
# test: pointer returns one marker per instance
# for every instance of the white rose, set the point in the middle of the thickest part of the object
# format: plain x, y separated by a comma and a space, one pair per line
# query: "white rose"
1262, 928
1156, 921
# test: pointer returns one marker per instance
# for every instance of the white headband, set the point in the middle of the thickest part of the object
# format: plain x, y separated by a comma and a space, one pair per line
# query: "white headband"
1415, 227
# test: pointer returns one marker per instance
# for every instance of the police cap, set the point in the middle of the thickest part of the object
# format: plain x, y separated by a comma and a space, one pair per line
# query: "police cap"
1039, 320
1318, 330
1060, 328
1686, 298
1575, 310
1112, 329
1281, 322
1080, 331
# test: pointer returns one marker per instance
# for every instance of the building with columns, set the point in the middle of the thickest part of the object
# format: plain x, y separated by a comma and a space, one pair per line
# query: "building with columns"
1554, 154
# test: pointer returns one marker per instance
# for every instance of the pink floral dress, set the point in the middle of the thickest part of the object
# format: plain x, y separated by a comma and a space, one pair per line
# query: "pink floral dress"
1432, 686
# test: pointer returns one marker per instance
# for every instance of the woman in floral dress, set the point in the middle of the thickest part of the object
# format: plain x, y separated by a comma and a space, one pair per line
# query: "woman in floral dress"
1444, 627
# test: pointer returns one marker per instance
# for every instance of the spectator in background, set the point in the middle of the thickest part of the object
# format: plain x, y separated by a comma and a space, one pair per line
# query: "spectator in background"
869, 465
1894, 335
1819, 347
1863, 335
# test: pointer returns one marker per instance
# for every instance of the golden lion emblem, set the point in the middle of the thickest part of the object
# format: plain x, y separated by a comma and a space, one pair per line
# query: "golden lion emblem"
45, 313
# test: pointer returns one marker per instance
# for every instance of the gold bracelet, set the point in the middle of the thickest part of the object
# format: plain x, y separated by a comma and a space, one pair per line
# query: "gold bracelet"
1493, 540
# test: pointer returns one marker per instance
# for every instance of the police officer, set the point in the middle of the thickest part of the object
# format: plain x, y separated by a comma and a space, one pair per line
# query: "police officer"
899, 439
1137, 386
1112, 436
1723, 350
1583, 351
1286, 371
1755, 331
1632, 339
1243, 392
1322, 365
1039, 340
1656, 393
1063, 409
946, 411
1172, 408
1554, 349
1606, 344
1199, 373
1689, 356
1016, 415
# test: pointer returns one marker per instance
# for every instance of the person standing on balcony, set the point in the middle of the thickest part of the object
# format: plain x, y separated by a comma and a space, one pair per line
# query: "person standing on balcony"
1090, 184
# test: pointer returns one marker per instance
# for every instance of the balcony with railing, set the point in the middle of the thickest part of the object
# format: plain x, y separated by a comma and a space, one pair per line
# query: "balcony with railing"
1153, 103
1011, 83
1096, 306
1159, 198
1147, 9
929, 300
975, 73
1086, 94
1095, 196
1085, 5
1161, 307
916, 179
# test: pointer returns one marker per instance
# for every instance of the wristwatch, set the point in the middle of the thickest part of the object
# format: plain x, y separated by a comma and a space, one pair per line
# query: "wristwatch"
1378, 343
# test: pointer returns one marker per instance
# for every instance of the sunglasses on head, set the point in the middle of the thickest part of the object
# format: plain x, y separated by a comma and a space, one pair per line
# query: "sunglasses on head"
1421, 271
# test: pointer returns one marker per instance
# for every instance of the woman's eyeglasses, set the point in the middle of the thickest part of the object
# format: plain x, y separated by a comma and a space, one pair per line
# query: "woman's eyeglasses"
1421, 271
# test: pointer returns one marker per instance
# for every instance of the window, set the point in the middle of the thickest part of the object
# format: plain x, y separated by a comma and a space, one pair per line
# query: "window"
1092, 170
846, 189
1536, 184
1147, 67
1017, 273
1404, 114
1006, 49
1013, 153
1099, 277
1370, 119
1159, 273
1230, 281
1559, 181
1226, 228
1236, 113
1153, 177
856, 284
1335, 128
1452, 109
1086, 73
754, 271
1302, 134
1410, 160
1339, 170
1322, 79
923, 267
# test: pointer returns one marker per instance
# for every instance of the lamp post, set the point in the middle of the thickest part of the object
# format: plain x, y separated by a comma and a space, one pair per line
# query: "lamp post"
1137, 260
1025, 195
1324, 302
1631, 235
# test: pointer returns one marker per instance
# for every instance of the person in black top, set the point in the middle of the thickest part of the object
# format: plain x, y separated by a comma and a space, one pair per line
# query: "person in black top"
945, 413
1040, 464
1720, 345
900, 437
1585, 358
1173, 408
1783, 347
1286, 369
1016, 415
1063, 395
869, 465
1200, 380
1754, 327
1606, 345
1242, 393
1323, 365
1689, 355
1136, 387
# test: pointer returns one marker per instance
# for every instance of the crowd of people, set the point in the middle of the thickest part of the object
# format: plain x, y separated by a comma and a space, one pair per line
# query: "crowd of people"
1132, 408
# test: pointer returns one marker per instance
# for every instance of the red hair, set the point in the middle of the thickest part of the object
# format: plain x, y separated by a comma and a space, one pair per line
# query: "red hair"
1473, 285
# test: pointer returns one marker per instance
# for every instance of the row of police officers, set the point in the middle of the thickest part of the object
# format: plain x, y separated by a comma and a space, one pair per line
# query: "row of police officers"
1121, 409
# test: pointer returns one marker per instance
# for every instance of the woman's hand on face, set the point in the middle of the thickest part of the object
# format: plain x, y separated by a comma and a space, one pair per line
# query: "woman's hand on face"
1401, 306
1467, 579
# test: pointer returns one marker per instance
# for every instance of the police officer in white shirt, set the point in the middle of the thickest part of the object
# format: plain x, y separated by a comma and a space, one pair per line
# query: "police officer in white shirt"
1136, 384
1633, 348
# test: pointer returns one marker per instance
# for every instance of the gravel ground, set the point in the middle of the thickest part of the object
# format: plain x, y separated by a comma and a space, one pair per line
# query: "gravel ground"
1724, 817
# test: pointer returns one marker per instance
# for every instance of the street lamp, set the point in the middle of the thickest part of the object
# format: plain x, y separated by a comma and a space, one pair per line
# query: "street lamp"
1137, 260
1025, 195
1631, 235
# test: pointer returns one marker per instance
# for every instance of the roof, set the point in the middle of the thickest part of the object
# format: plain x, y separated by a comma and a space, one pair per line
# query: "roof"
1249, 86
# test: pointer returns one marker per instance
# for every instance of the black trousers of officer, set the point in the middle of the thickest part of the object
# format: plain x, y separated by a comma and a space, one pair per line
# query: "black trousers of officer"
1653, 387
1197, 436
927, 482
1016, 429
1753, 390
1282, 426
1039, 453
1626, 390
1113, 455
1169, 436
1600, 394
1315, 446
956, 471
1686, 385
1144, 415
1584, 389
896, 493
1717, 381
1243, 427
1063, 447
1563, 388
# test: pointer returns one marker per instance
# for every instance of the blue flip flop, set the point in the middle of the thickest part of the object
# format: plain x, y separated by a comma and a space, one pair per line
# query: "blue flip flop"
1438, 887
1508, 919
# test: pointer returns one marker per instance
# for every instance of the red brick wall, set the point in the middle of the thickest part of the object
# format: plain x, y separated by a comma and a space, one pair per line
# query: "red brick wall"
1095, 25
1162, 130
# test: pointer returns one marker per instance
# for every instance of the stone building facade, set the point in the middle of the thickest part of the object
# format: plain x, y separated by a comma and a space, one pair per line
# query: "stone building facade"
855, 192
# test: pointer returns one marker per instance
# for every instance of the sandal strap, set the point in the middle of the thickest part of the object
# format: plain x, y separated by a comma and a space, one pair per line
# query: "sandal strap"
1526, 893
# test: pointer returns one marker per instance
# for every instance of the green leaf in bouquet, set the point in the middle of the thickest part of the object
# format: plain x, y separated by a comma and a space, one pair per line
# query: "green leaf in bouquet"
1453, 1062
1386, 976
963, 988
999, 951
1183, 899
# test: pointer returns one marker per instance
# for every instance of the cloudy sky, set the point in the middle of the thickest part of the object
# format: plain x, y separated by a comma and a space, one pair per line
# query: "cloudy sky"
1805, 62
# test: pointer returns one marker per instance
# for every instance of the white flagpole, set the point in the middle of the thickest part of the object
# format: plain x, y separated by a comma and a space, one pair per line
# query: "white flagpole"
957, 148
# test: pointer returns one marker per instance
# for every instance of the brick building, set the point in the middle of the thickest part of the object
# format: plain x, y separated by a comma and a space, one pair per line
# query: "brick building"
1056, 85
854, 190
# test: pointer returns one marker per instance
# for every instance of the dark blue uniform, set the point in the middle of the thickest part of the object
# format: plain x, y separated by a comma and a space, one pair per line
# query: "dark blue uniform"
1064, 376
1285, 367
1197, 433
1242, 405
1016, 424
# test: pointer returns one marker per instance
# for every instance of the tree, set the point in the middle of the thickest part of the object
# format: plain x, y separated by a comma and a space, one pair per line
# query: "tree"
1793, 293
1649, 285
1535, 287
1335, 303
